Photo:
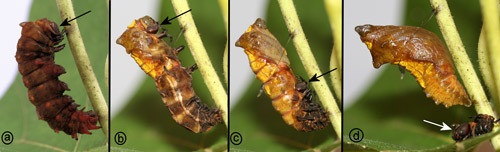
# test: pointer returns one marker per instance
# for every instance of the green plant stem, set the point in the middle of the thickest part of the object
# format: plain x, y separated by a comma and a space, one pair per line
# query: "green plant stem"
491, 27
106, 65
224, 9
334, 9
464, 66
223, 6
201, 57
106, 72
336, 76
485, 68
306, 56
83, 64
225, 63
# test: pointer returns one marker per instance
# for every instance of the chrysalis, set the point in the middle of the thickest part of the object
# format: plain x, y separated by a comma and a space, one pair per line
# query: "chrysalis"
422, 53
173, 81
269, 62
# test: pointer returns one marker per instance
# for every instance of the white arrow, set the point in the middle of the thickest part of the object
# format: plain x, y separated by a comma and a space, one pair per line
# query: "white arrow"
443, 127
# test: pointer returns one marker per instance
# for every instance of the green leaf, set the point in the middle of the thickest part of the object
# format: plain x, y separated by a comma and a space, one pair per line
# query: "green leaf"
260, 125
146, 121
19, 115
99, 149
391, 112
466, 145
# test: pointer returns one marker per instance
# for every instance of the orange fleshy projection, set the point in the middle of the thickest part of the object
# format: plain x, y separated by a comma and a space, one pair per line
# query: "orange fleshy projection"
420, 52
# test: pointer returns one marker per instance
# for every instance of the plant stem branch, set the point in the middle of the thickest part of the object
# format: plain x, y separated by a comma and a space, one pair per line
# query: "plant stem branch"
106, 72
491, 27
106, 65
485, 68
223, 6
306, 56
83, 64
334, 9
201, 57
462, 61
225, 63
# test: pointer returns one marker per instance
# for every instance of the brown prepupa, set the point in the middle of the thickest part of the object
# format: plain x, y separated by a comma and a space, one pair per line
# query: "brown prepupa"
35, 57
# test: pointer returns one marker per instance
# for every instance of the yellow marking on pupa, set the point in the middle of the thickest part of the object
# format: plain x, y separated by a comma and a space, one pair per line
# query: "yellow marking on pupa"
369, 45
131, 25
249, 29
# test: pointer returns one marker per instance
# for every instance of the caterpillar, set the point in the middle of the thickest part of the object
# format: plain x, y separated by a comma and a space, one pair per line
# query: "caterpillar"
35, 58
173, 82
269, 62
422, 53
482, 124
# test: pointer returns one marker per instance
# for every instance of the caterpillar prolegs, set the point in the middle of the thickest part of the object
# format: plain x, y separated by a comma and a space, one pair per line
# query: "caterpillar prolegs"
35, 57
269, 62
173, 82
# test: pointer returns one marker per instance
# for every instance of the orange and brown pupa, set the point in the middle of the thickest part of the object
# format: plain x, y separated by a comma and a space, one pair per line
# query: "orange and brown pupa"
269, 62
173, 81
422, 53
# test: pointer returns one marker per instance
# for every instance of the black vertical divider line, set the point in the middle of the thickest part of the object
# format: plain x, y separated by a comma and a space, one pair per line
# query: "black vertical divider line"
228, 74
342, 82
109, 76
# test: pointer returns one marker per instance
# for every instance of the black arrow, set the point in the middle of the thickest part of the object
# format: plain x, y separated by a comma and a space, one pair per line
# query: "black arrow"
167, 21
66, 22
315, 78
